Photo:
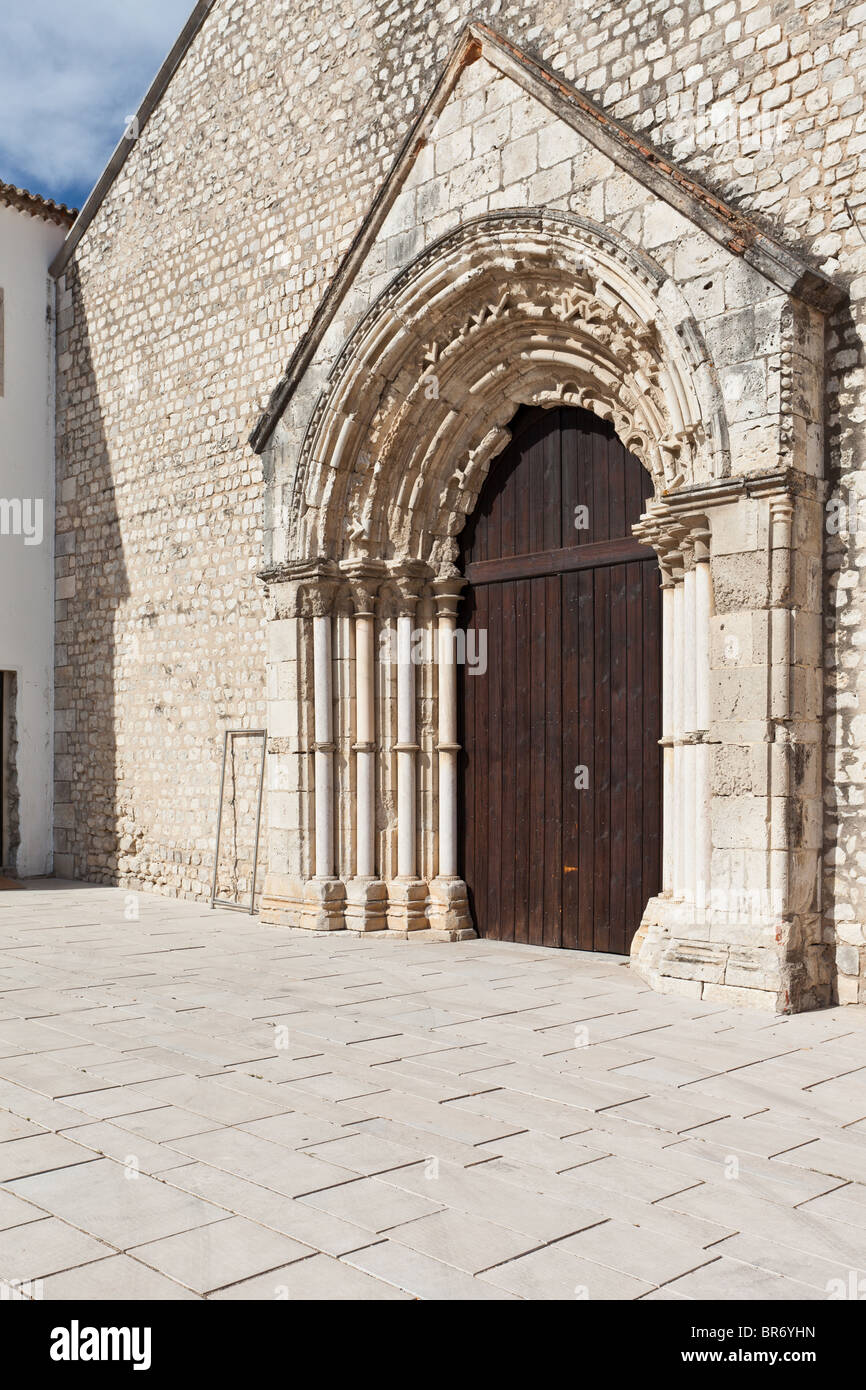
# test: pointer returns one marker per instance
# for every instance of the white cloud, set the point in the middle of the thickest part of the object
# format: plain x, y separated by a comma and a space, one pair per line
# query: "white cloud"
71, 71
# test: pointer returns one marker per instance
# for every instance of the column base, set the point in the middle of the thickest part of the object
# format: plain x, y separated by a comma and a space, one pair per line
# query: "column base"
282, 901
407, 905
324, 905
448, 910
762, 961
366, 905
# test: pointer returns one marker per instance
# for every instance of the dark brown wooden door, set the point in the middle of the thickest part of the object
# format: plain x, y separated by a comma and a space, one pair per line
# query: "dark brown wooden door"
561, 791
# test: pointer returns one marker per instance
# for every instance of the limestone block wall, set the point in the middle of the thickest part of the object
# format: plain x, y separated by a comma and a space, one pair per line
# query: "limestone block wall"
207, 260
738, 920
159, 627
767, 810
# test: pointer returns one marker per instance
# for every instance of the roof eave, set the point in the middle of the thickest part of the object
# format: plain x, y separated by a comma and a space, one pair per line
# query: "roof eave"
34, 205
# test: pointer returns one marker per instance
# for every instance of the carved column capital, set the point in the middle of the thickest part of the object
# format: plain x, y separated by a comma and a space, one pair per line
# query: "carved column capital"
364, 579
303, 590
669, 535
405, 582
701, 540
675, 561
447, 591
692, 530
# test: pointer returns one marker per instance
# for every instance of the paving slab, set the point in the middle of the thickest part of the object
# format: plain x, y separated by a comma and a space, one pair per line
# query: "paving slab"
421, 1275
105, 1200
319, 1277
40, 1153
785, 1261
644, 1254
731, 1279
118, 1277
258, 1160
40, 1248
317, 1229
482, 1120
210, 1257
372, 1204
554, 1273
469, 1243
478, 1191
844, 1159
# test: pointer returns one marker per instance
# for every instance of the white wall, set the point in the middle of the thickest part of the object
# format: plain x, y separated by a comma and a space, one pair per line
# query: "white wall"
27, 245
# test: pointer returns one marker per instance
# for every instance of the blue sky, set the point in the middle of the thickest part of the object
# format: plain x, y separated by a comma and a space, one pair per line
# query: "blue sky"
71, 71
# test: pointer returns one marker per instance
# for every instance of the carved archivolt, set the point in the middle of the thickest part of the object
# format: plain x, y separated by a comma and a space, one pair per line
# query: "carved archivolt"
506, 311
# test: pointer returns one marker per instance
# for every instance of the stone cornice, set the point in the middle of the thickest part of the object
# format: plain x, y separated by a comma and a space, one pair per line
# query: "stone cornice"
700, 496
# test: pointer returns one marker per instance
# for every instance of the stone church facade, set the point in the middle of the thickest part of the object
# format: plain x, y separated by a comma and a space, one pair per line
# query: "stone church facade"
337, 254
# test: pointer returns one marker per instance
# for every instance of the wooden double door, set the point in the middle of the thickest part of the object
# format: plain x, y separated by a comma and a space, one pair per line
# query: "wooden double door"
560, 698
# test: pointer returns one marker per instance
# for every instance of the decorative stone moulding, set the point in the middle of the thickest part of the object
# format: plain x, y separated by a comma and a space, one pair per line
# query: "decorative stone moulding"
376, 466
739, 914
535, 308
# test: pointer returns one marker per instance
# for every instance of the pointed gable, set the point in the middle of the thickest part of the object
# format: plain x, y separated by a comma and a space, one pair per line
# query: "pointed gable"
500, 131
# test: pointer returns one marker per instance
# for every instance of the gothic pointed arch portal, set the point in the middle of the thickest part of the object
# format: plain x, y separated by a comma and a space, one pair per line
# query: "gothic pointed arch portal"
560, 794
376, 464
524, 309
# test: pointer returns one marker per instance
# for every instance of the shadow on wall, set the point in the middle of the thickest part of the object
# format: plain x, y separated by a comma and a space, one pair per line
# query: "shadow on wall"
156, 626
91, 585
844, 847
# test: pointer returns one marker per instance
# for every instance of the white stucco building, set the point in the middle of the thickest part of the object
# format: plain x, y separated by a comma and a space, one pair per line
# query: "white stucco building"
31, 230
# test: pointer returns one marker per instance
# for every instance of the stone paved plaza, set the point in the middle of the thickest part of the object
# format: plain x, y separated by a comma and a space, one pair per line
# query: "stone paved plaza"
194, 1105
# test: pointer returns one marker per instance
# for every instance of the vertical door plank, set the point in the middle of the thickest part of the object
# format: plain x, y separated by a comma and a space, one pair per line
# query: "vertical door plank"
601, 740
652, 779
552, 935
570, 486
618, 758
509, 717
537, 754
572, 795
522, 757
635, 736
493, 857
508, 504
573, 680
585, 495
552, 468
586, 756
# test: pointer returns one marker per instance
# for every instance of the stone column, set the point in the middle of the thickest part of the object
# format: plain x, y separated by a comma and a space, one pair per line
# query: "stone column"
688, 678
703, 615
779, 681
301, 888
366, 894
679, 808
407, 907
324, 894
667, 741
449, 906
